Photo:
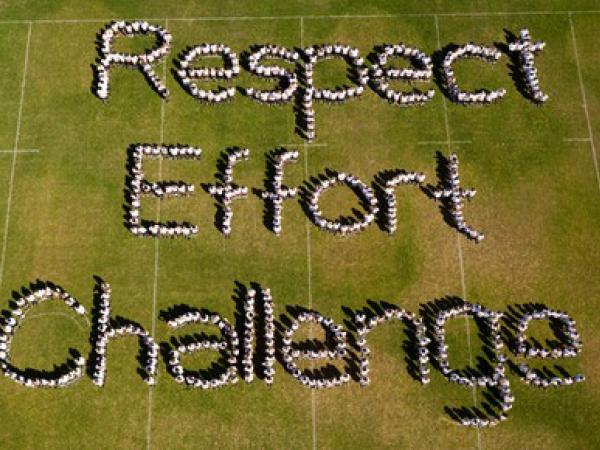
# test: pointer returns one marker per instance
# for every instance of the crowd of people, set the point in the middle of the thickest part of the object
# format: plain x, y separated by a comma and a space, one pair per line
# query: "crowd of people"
288, 81
229, 344
365, 326
573, 340
333, 347
381, 76
570, 346
526, 50
533, 378
359, 72
291, 352
269, 337
249, 336
492, 320
448, 191
226, 191
139, 186
452, 195
61, 376
107, 328
349, 225
470, 50
389, 189
186, 73
496, 380
276, 193
143, 62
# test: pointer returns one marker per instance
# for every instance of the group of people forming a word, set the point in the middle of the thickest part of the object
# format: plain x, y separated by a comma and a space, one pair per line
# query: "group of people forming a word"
257, 341
297, 83
225, 191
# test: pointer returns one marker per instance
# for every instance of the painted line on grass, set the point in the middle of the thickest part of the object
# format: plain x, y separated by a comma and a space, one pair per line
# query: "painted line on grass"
458, 242
443, 142
439, 44
576, 140
463, 285
298, 144
25, 150
313, 400
11, 181
584, 99
156, 253
61, 314
317, 17
302, 144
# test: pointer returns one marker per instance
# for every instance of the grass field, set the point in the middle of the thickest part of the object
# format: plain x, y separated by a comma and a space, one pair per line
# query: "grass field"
61, 219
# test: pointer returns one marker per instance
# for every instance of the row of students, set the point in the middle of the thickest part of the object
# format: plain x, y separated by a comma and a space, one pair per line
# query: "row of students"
226, 191
526, 50
358, 70
350, 225
571, 347
107, 328
288, 80
470, 50
139, 186
291, 352
496, 380
230, 342
144, 61
389, 188
421, 70
249, 336
365, 325
452, 196
269, 336
492, 320
276, 193
533, 378
186, 74
61, 376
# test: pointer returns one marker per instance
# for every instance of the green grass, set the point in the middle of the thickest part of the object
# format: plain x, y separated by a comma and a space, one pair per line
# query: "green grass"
537, 202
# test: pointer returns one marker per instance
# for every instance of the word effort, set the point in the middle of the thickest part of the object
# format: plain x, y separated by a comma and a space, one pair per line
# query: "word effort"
295, 82
379, 200
257, 341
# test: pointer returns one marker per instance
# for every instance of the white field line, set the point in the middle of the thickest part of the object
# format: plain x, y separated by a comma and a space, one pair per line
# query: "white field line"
313, 400
576, 140
439, 45
156, 253
60, 314
316, 17
584, 99
463, 286
301, 144
297, 144
24, 150
302, 32
458, 243
14, 156
447, 142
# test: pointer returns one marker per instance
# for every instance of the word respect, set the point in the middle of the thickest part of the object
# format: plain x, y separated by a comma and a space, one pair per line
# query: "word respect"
297, 83
256, 341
